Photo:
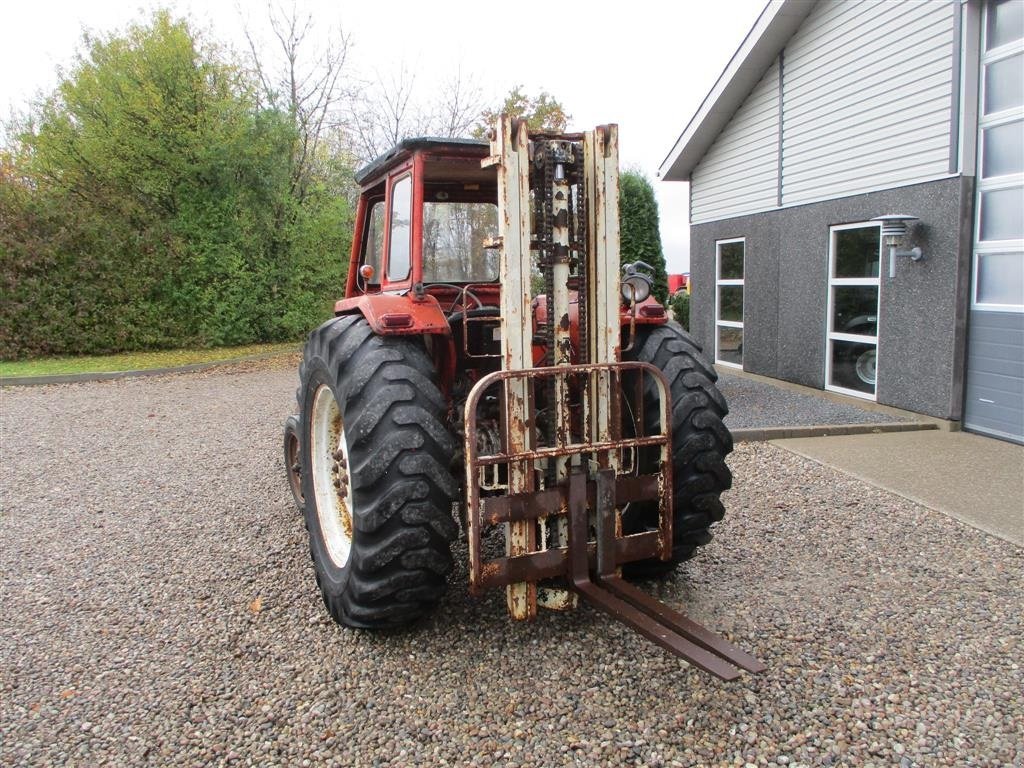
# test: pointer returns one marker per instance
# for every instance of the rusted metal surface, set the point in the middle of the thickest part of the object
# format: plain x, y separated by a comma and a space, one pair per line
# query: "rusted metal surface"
623, 602
604, 520
682, 625
511, 146
292, 460
566, 448
503, 509
475, 329
552, 563
605, 601
339, 476
556, 598
524, 507
562, 353
425, 315
552, 453
655, 631
328, 462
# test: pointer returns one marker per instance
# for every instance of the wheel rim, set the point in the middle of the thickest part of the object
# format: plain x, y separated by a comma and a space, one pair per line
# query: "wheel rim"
331, 486
866, 366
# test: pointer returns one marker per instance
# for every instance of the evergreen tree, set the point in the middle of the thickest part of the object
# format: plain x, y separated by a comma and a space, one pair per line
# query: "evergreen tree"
640, 238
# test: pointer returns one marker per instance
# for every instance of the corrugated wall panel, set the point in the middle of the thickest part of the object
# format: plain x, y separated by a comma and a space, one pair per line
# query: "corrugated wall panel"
724, 151
867, 98
739, 174
751, 187
869, 122
994, 402
870, 22
926, 79
915, 147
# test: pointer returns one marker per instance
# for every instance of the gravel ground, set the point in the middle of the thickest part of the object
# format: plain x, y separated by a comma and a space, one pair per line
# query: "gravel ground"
754, 405
158, 607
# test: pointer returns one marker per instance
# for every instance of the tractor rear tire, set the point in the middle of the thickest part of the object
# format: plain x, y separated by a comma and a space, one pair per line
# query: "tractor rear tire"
375, 474
700, 443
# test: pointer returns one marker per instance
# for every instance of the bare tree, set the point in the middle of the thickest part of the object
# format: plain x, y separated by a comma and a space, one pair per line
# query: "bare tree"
333, 112
458, 106
384, 113
306, 79
390, 109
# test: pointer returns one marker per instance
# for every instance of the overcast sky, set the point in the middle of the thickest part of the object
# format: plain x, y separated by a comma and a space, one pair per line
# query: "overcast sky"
644, 65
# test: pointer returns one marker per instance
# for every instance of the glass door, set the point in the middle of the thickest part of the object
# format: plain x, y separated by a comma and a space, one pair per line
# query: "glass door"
729, 261
851, 359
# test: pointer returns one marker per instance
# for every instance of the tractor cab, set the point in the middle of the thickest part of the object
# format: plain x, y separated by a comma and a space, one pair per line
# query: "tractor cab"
427, 222
427, 247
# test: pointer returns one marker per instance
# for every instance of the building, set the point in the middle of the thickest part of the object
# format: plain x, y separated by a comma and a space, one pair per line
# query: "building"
833, 113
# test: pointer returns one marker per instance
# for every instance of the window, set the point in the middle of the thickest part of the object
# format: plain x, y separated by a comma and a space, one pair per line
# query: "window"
729, 260
453, 242
373, 248
401, 229
851, 360
999, 234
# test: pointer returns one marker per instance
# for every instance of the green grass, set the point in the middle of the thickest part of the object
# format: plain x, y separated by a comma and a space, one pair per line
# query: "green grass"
135, 361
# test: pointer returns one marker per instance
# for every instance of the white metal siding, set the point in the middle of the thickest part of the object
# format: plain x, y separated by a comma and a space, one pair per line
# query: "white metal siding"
867, 98
739, 173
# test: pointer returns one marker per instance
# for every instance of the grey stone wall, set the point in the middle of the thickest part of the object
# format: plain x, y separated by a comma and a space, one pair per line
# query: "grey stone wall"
922, 311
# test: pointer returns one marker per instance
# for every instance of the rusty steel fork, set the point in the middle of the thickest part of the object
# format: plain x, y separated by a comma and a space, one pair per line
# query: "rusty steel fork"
622, 601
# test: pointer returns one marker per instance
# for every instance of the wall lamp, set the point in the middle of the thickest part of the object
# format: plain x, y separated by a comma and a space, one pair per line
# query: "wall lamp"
894, 230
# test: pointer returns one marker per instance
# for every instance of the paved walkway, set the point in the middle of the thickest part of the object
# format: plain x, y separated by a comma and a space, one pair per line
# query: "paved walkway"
977, 480
757, 402
761, 408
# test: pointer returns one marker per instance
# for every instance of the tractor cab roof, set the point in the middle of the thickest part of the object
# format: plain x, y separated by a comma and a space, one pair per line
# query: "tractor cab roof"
474, 148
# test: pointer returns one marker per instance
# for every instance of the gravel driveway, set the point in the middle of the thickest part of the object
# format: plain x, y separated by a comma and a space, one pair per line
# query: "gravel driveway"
158, 607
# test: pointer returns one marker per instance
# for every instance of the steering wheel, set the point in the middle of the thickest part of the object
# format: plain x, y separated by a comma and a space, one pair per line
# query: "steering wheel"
460, 299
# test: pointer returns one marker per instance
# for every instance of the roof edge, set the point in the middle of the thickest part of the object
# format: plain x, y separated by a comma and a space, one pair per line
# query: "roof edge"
762, 44
381, 163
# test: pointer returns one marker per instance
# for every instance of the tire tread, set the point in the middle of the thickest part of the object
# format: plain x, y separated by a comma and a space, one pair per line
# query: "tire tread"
400, 453
700, 439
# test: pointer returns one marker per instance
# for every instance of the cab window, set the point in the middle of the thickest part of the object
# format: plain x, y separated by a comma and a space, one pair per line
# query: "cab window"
454, 234
401, 227
373, 248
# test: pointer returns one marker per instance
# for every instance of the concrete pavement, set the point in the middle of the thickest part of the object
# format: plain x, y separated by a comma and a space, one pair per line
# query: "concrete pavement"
978, 480
761, 409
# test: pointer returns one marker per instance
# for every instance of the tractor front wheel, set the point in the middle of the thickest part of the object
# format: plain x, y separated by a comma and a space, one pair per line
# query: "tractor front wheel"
375, 459
700, 443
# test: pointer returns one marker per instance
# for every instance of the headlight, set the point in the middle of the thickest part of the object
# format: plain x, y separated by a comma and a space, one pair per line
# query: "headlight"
636, 287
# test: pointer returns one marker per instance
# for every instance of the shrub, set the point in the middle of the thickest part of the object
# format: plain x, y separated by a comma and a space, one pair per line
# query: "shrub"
149, 203
680, 305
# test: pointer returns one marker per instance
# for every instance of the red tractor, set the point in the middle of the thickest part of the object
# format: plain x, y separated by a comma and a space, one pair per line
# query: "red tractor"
678, 283
493, 369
